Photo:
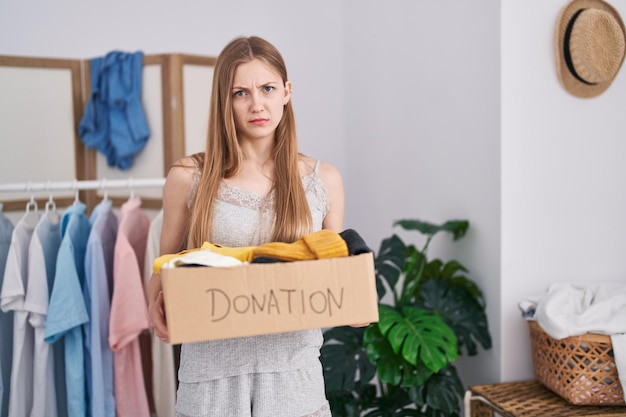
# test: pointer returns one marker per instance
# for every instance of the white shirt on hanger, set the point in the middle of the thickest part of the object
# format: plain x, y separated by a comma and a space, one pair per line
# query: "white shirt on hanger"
43, 249
163, 370
12, 299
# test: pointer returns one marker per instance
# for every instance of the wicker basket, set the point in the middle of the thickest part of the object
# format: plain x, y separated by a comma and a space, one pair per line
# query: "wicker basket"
580, 369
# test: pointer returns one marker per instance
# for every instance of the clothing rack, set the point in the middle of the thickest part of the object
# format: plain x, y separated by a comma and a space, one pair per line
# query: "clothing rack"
87, 187
103, 184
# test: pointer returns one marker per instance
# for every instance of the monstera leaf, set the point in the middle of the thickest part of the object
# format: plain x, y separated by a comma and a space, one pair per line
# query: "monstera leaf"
392, 368
458, 228
454, 273
442, 392
347, 371
460, 310
344, 359
418, 334
389, 264
361, 397
394, 404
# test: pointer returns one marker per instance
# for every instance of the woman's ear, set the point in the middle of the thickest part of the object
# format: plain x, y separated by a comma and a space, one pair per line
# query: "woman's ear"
288, 89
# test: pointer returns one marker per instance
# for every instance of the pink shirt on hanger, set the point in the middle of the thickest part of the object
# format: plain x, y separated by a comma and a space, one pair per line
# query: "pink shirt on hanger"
129, 312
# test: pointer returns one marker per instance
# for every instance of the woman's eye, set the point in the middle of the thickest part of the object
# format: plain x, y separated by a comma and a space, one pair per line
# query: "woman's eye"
268, 88
239, 93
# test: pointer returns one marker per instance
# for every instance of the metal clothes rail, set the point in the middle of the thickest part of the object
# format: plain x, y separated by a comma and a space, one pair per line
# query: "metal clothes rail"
103, 184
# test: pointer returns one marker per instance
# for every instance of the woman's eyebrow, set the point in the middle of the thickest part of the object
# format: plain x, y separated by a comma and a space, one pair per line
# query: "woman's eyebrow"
235, 87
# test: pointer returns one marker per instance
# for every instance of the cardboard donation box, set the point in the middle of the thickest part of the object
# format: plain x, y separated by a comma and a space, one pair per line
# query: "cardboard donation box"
207, 303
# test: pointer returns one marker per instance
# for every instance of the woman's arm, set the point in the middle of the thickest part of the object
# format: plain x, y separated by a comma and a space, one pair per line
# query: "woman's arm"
173, 234
331, 177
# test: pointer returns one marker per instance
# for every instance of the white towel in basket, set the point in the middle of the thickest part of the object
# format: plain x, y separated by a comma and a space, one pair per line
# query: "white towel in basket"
575, 309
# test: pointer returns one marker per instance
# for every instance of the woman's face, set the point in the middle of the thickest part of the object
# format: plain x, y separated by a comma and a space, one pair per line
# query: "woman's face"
258, 97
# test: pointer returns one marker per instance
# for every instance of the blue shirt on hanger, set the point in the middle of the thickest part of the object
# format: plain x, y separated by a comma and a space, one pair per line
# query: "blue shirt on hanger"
6, 319
97, 292
67, 312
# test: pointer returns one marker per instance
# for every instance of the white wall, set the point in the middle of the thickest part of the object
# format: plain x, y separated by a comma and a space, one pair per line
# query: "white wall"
422, 129
432, 110
562, 174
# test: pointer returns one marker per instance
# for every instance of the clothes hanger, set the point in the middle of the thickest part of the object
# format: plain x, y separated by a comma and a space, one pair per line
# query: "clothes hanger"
51, 207
132, 190
31, 204
105, 193
76, 191
32, 211
50, 204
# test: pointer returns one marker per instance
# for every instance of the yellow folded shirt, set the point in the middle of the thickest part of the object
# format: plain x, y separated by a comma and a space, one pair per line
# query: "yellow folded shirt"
318, 245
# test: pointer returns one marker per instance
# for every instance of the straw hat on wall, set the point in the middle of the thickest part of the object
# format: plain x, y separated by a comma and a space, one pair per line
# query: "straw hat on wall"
590, 46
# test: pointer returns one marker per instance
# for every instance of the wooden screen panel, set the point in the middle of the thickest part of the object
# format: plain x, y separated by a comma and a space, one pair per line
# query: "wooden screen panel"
40, 108
43, 100
197, 75
188, 85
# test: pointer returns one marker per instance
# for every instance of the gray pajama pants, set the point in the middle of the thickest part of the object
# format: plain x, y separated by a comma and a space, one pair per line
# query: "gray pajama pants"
297, 393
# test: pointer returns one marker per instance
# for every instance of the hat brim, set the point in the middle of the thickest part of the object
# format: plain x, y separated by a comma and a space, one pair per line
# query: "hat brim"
572, 84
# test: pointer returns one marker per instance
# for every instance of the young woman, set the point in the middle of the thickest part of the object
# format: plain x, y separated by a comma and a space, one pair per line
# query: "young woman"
250, 186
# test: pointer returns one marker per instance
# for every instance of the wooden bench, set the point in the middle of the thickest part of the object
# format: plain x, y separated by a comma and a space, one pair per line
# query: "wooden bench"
528, 399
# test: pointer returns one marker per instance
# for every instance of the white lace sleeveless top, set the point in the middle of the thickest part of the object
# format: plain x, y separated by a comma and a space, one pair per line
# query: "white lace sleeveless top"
243, 218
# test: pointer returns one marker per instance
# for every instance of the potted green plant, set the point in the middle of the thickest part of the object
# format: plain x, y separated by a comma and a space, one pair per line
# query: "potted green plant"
403, 365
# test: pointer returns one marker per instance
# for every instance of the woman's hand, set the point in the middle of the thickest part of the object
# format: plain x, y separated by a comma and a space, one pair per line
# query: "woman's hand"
156, 310
175, 217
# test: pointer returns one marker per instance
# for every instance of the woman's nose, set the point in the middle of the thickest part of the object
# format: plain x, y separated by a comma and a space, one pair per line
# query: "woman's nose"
257, 103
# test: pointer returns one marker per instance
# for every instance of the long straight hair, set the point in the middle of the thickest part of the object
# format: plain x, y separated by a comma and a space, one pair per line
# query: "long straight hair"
223, 155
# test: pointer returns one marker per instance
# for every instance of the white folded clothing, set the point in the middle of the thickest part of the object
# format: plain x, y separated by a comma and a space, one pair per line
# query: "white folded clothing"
203, 257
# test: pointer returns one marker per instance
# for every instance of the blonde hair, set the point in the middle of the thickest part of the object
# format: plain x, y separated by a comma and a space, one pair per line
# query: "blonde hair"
223, 154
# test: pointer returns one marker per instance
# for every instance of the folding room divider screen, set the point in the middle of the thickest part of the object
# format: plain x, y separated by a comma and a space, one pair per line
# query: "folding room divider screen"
42, 103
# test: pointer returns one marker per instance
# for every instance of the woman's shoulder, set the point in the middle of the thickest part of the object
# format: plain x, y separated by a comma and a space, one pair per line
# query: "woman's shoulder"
182, 181
327, 172
184, 170
332, 196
